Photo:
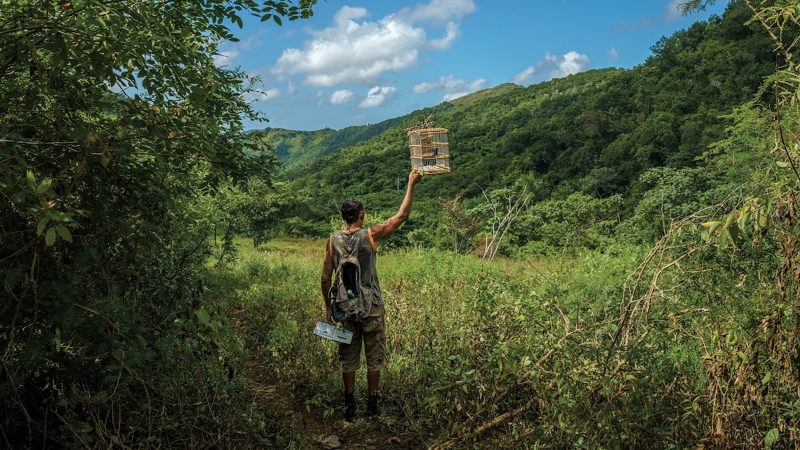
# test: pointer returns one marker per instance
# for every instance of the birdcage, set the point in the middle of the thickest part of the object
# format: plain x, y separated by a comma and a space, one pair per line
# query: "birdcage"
430, 151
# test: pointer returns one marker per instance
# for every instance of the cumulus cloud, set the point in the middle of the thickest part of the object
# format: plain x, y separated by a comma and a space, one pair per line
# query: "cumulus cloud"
554, 66
438, 12
614, 54
568, 64
524, 76
342, 96
377, 96
453, 33
355, 50
450, 87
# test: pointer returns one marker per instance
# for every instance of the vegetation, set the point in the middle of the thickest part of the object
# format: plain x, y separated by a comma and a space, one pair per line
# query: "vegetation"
610, 135
645, 294
114, 125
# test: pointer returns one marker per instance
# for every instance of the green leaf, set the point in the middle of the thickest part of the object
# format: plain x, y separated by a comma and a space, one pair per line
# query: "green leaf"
766, 378
713, 227
782, 164
41, 225
202, 316
729, 220
277, 20
44, 186
31, 181
723, 238
64, 233
50, 237
266, 17
733, 231
771, 437
743, 220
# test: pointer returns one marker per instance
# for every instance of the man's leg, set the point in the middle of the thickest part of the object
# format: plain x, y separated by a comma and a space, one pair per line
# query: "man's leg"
375, 349
350, 357
349, 379
373, 380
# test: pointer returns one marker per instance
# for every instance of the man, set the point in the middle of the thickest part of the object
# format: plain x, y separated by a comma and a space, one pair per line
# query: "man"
370, 331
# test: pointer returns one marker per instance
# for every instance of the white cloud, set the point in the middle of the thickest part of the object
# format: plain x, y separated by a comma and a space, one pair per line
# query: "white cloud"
450, 87
377, 96
439, 12
342, 96
260, 96
614, 54
354, 50
555, 66
568, 64
524, 76
453, 33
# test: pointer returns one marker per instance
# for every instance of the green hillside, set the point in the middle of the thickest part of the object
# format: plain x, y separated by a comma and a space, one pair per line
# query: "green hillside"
593, 133
295, 148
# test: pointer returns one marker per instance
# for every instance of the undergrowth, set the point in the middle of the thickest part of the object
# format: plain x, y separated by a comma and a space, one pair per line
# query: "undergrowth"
518, 354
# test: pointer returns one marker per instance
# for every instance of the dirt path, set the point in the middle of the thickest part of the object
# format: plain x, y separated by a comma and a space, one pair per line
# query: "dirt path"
309, 426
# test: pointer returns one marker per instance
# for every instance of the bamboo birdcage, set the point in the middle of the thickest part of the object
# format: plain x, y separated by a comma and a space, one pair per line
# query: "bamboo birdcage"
430, 151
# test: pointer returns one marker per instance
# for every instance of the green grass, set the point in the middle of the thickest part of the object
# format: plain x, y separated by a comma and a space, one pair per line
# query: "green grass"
509, 354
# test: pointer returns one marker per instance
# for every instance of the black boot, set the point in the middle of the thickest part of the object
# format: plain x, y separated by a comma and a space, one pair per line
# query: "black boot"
372, 407
349, 406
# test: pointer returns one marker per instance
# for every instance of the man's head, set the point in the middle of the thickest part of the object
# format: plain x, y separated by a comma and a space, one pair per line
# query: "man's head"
351, 210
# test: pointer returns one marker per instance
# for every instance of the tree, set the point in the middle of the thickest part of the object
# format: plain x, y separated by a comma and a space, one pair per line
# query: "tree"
748, 243
114, 121
461, 225
503, 207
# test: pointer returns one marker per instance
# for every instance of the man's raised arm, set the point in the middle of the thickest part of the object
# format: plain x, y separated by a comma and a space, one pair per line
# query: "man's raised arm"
387, 228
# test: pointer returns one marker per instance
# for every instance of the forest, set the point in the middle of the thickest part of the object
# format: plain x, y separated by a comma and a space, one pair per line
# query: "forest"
613, 262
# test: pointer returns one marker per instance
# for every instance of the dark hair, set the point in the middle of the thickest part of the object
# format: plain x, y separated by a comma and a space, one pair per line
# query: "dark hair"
351, 209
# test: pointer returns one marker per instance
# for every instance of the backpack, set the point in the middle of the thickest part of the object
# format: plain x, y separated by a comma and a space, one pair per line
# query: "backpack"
350, 300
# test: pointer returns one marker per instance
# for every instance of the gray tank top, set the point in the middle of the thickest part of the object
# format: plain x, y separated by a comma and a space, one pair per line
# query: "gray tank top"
366, 259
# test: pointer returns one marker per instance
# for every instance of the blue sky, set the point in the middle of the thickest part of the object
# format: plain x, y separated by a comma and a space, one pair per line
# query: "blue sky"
358, 62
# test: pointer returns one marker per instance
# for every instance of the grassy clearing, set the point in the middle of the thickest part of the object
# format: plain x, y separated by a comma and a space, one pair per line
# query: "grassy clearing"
461, 331
536, 353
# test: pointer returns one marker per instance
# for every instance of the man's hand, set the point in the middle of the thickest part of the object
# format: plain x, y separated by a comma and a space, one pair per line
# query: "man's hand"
414, 177
329, 315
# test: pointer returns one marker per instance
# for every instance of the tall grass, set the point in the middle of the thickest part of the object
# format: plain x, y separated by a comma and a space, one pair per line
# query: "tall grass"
528, 353
462, 333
